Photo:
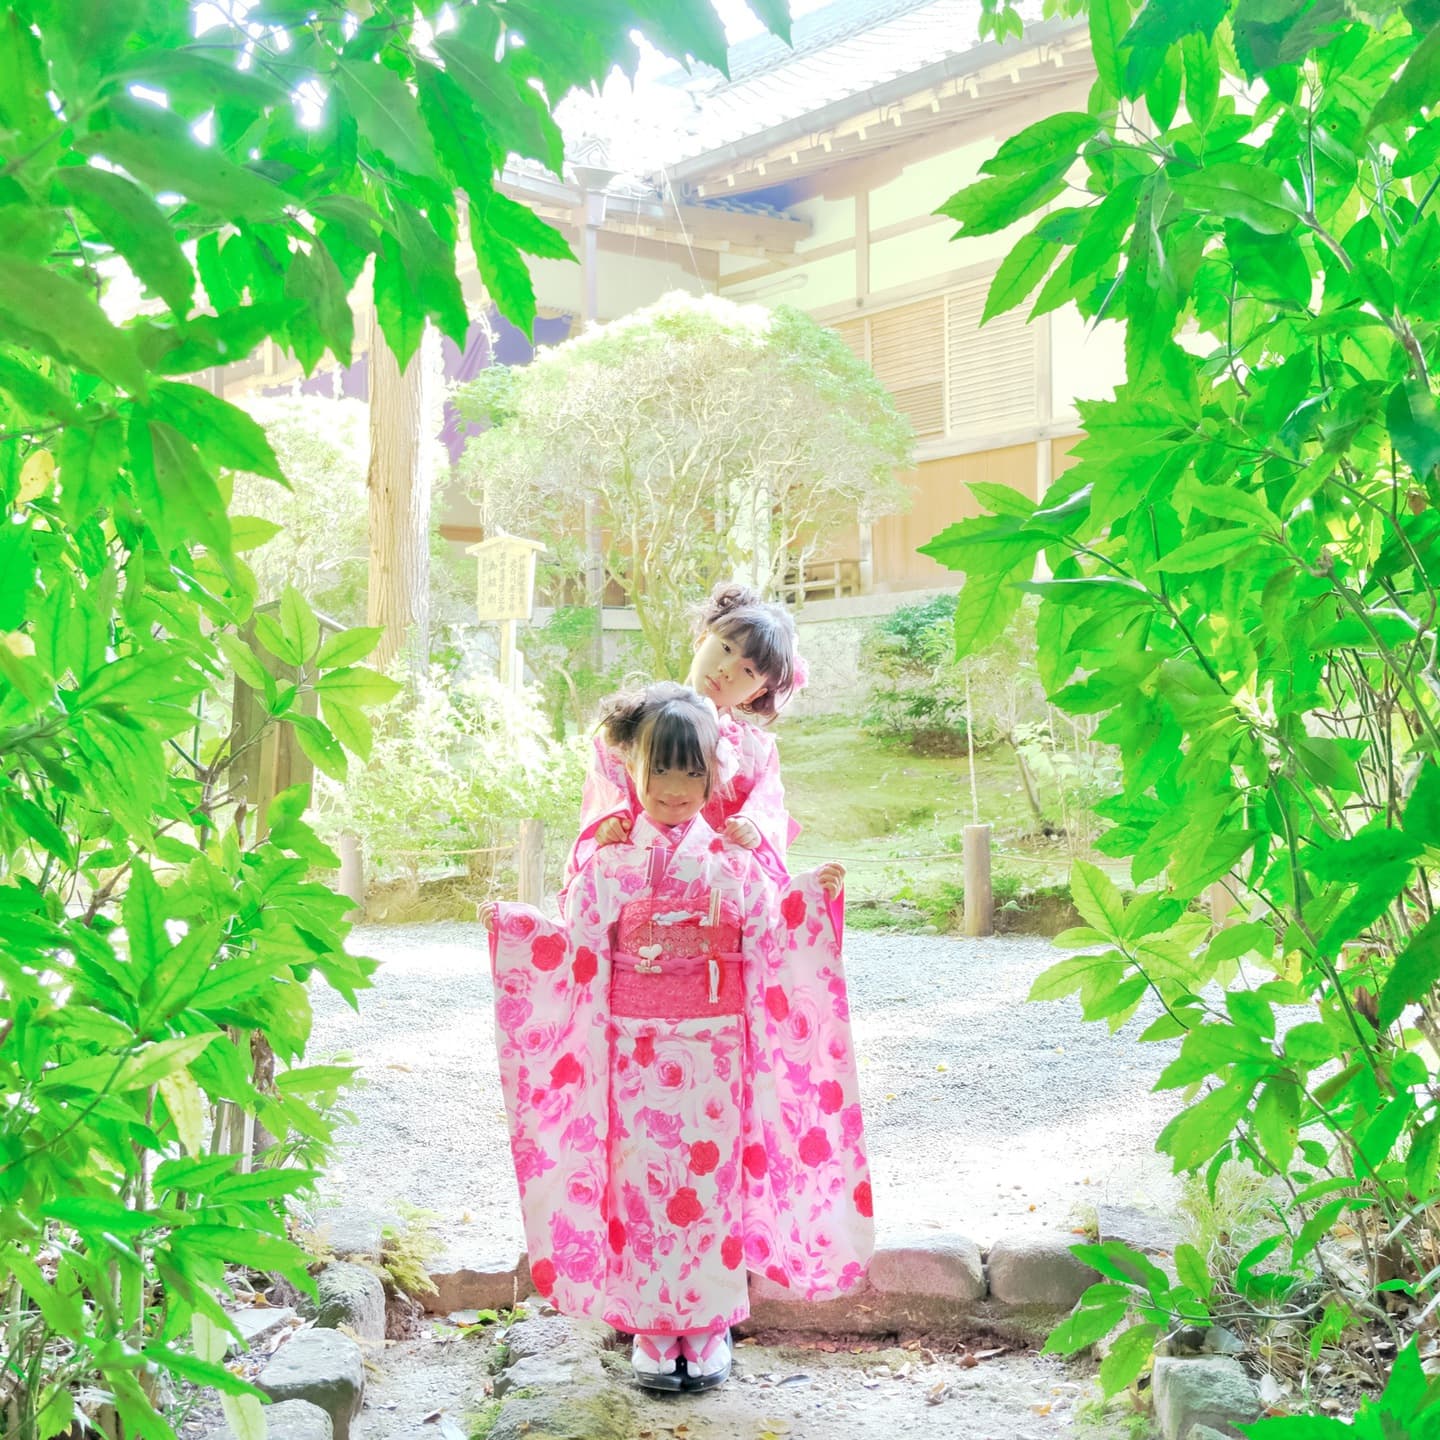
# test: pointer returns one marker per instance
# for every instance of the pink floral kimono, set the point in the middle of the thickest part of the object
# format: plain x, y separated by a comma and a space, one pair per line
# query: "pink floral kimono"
681, 1086
749, 787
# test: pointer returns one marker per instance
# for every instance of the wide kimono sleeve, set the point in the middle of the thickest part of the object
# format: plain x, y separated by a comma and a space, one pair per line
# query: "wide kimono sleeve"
809, 1223
551, 984
764, 806
608, 792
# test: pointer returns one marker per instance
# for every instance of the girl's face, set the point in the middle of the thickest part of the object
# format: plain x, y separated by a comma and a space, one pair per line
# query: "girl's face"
671, 797
722, 674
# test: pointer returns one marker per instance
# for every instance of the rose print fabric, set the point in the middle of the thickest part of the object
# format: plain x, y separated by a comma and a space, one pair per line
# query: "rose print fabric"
661, 1155
750, 787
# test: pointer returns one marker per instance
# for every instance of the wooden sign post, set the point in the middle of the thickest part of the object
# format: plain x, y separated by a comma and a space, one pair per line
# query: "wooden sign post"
506, 593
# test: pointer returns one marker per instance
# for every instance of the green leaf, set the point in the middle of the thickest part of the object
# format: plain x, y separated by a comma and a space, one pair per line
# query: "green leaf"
323, 317
1415, 972
250, 532
349, 646
1328, 762
1277, 1120
1417, 86
134, 225
986, 606
224, 433
176, 977
1056, 137
1207, 552
320, 745
60, 317
156, 147
1191, 1270
357, 686
144, 912
237, 1246
504, 272
1247, 192
1414, 423
299, 625
1422, 809
1129, 1352
160, 1059
1195, 1134
524, 229
1097, 899
993, 204
1161, 24
1019, 273
1094, 976
1087, 1324
388, 115
1109, 23
98, 1214
272, 637
352, 728
514, 112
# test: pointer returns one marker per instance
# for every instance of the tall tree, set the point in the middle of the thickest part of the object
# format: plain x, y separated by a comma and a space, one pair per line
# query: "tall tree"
713, 440
398, 482
142, 928
1244, 571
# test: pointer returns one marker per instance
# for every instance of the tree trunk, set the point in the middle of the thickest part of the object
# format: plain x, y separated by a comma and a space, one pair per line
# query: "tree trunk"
399, 484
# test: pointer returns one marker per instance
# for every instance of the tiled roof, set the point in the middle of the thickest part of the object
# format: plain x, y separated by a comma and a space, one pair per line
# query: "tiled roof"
840, 51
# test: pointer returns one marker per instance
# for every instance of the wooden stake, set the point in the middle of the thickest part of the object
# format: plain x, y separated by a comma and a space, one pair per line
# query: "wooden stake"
979, 897
530, 863
352, 872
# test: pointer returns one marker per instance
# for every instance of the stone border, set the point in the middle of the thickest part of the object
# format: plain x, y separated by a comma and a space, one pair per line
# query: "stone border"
935, 1281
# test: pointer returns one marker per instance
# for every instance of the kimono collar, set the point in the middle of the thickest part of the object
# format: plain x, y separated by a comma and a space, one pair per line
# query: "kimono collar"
695, 834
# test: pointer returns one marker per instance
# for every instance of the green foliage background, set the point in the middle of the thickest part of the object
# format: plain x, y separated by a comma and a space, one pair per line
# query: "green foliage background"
1241, 587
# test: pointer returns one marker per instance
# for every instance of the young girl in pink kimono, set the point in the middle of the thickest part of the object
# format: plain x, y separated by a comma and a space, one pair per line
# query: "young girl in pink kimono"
746, 664
678, 1070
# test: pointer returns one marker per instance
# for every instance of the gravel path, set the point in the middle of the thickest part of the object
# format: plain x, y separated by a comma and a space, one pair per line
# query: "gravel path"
437, 1384
985, 1115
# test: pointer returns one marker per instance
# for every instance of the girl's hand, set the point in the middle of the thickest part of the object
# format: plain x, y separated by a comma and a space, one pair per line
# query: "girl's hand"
742, 832
612, 830
486, 915
831, 877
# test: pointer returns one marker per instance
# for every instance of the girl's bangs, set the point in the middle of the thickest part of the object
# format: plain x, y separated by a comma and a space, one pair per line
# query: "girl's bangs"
765, 645
674, 742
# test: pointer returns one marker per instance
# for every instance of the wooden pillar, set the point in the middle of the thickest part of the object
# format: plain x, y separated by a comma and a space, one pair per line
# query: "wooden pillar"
979, 897
530, 863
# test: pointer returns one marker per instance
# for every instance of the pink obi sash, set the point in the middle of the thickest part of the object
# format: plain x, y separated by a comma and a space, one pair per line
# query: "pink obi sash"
676, 987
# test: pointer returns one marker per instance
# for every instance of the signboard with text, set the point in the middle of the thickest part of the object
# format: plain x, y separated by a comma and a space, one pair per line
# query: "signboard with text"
506, 581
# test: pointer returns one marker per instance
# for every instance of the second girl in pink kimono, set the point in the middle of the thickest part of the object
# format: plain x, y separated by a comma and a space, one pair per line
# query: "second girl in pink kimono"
678, 1070
747, 665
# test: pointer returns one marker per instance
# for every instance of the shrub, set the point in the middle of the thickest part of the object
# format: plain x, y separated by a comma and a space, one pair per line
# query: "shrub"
458, 761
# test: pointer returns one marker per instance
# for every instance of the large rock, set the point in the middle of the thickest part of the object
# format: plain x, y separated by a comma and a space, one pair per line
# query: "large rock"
601, 1413
292, 1420
1209, 1390
930, 1280
926, 1281
550, 1353
349, 1294
475, 1282
1039, 1271
321, 1366
554, 1386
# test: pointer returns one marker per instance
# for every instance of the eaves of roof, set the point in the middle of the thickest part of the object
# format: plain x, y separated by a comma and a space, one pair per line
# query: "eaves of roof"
966, 62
